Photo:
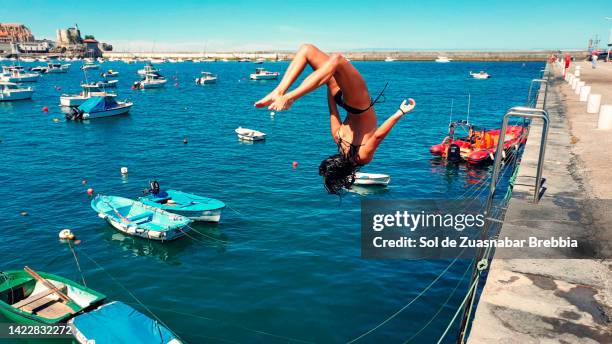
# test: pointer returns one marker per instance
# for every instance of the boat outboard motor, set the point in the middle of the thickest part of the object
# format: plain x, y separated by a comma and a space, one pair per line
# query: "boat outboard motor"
454, 153
154, 187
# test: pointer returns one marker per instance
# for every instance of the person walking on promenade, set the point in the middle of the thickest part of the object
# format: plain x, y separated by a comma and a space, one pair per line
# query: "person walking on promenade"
594, 57
568, 60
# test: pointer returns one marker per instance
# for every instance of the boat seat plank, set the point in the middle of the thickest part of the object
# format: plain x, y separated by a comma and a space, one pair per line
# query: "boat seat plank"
33, 298
52, 310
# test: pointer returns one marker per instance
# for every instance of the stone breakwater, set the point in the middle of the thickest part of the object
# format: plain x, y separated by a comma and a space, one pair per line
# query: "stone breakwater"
468, 55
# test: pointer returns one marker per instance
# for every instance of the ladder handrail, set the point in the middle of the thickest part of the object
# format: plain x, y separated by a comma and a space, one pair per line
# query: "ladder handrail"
523, 112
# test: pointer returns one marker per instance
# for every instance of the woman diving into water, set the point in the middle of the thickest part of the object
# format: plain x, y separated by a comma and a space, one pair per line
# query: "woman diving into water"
358, 136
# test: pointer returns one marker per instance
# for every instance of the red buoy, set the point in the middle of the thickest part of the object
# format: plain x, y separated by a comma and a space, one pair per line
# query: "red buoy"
90, 191
294, 164
45, 109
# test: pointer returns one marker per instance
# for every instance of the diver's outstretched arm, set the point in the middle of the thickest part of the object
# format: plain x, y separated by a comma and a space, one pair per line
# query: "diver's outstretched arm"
366, 153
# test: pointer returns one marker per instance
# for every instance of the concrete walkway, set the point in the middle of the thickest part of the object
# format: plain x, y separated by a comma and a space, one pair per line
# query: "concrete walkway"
564, 296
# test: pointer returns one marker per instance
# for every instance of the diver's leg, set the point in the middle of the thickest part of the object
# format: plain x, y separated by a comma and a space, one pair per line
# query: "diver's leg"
354, 89
306, 54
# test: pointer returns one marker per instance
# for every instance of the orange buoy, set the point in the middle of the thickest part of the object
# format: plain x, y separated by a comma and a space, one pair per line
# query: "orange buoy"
45, 109
294, 164
90, 191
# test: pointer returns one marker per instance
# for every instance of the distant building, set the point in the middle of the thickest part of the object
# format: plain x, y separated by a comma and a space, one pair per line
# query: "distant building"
92, 48
36, 46
69, 38
17, 38
15, 33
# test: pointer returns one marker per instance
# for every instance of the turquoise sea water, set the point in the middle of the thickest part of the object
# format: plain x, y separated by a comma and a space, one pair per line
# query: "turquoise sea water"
284, 263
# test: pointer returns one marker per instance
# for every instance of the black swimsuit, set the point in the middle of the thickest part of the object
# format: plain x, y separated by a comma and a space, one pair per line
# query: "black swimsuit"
340, 101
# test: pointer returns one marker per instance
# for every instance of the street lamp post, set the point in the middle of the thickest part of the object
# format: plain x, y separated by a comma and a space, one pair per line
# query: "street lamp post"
609, 41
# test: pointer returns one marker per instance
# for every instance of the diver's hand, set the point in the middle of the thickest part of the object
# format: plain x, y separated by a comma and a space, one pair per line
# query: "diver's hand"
405, 108
281, 103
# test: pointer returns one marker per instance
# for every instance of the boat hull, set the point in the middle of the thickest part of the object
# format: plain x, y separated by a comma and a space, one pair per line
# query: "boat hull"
133, 231
139, 219
29, 78
372, 179
22, 95
20, 280
192, 206
108, 113
72, 101
264, 76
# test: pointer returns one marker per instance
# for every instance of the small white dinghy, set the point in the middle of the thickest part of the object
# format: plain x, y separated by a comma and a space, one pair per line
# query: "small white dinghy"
249, 134
372, 179
262, 74
480, 75
206, 78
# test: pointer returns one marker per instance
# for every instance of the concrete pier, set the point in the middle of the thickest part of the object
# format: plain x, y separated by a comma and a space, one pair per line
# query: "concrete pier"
564, 296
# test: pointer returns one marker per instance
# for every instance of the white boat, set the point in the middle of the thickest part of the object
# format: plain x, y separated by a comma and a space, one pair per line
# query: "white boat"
111, 73
373, 179
390, 59
57, 68
480, 75
259, 61
10, 91
17, 74
224, 60
72, 100
90, 65
443, 59
157, 60
250, 134
148, 69
150, 81
206, 78
208, 60
244, 60
262, 74
98, 107
172, 61
106, 83
28, 59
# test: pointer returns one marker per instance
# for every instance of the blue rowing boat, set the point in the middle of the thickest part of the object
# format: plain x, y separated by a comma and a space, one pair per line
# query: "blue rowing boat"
195, 207
138, 219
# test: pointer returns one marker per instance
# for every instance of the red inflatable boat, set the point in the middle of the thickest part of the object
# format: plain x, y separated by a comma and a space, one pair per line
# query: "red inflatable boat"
479, 145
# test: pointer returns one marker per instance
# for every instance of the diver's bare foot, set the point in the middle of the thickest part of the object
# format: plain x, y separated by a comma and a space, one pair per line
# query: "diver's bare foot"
267, 100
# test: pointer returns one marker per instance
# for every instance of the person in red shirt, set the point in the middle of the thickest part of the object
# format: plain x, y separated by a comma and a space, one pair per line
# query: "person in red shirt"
568, 60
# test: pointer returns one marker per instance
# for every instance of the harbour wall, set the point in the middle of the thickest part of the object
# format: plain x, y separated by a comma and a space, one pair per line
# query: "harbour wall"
467, 55
562, 296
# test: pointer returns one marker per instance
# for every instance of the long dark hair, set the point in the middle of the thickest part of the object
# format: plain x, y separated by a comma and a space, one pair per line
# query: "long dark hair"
338, 173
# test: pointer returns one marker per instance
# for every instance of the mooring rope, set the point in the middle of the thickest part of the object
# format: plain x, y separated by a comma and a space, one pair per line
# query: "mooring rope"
441, 308
233, 325
131, 294
472, 287
76, 260
407, 305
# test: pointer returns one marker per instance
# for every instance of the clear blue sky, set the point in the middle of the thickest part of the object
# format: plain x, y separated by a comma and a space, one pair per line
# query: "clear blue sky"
333, 24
